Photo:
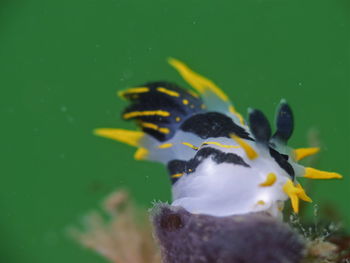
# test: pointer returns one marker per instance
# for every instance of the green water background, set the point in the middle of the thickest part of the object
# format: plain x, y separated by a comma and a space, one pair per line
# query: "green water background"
61, 63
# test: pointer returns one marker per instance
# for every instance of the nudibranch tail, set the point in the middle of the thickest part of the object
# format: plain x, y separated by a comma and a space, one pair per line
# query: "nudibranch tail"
302, 153
217, 164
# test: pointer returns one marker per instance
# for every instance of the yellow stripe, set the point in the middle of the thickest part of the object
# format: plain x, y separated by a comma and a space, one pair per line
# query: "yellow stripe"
146, 113
164, 130
168, 92
155, 127
221, 145
249, 150
301, 153
198, 82
317, 174
165, 145
270, 180
129, 137
234, 112
122, 93
149, 125
190, 145
185, 101
177, 175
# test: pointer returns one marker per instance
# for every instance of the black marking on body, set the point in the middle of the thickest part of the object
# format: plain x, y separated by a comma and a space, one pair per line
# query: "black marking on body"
284, 122
180, 166
282, 161
154, 100
176, 167
213, 124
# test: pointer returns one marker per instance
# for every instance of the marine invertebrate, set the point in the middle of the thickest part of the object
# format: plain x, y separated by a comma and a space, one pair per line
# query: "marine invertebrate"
218, 164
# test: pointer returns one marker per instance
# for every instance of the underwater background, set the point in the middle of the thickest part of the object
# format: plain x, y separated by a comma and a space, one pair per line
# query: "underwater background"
62, 62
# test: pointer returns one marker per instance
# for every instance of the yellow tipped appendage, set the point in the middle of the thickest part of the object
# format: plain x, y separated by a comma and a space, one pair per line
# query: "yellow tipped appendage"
250, 152
312, 173
198, 82
301, 153
270, 180
295, 192
129, 137
202, 84
141, 154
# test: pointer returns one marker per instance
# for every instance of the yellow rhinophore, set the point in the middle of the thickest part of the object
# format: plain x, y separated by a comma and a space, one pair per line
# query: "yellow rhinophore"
270, 180
313, 173
202, 84
250, 152
126, 136
301, 153
294, 193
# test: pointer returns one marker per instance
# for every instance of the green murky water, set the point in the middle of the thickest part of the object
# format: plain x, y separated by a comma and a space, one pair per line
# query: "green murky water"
61, 63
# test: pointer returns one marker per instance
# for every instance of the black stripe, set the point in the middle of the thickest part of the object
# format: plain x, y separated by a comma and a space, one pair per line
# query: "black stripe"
282, 161
213, 124
180, 166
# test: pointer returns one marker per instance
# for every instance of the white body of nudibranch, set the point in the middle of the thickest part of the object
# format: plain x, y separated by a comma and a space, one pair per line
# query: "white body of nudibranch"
226, 189
218, 164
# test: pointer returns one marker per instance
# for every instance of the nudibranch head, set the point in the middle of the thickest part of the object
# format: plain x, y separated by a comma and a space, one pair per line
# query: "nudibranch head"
218, 164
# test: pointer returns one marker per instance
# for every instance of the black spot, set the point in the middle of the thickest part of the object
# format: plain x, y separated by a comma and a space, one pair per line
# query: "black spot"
213, 124
282, 161
284, 122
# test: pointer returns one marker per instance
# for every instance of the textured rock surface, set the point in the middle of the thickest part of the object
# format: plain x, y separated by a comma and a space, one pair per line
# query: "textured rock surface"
251, 238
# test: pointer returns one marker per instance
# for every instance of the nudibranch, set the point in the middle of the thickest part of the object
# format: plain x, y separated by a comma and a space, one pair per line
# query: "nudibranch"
219, 165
